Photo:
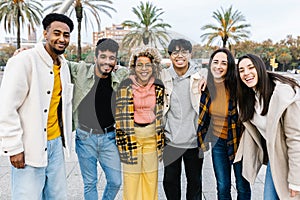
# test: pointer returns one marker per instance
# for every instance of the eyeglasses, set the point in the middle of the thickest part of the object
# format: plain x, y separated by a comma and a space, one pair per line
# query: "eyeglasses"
141, 65
176, 53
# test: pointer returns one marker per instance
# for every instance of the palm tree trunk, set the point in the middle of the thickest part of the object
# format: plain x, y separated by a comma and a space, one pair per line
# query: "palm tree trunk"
146, 37
145, 41
79, 17
18, 31
79, 41
225, 39
224, 42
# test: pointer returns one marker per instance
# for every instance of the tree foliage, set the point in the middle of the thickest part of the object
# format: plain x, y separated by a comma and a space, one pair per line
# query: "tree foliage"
16, 13
149, 27
5, 53
83, 9
286, 52
230, 27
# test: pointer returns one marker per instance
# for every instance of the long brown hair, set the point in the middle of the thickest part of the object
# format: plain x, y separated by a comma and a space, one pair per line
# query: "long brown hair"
264, 87
230, 77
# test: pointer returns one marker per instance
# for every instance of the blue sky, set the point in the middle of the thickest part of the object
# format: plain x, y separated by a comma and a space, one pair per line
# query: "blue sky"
269, 19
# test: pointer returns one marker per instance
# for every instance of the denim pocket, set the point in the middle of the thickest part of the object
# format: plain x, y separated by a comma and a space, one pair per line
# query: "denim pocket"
111, 135
81, 135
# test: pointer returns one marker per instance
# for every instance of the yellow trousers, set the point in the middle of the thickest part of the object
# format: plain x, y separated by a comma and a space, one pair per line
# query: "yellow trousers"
141, 180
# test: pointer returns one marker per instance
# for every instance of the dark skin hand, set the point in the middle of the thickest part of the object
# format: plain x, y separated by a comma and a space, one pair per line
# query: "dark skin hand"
19, 50
18, 160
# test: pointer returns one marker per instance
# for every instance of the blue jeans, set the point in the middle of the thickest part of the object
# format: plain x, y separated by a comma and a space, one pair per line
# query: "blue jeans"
48, 183
222, 169
269, 190
92, 148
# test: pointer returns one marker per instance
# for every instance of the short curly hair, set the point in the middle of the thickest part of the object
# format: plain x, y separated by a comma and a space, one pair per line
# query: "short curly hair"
149, 52
52, 17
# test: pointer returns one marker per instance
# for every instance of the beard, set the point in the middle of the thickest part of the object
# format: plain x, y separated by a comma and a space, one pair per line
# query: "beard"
58, 52
106, 73
54, 50
103, 72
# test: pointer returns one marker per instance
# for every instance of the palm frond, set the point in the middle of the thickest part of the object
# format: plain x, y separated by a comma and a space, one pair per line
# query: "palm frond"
149, 28
229, 28
16, 15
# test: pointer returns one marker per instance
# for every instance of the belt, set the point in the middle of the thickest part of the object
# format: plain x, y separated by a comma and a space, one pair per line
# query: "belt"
141, 125
97, 131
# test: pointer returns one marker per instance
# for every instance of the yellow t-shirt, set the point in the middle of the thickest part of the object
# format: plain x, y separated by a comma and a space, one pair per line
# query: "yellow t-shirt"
53, 129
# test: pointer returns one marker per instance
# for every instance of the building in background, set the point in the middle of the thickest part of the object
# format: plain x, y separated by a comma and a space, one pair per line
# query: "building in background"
31, 35
116, 32
29, 42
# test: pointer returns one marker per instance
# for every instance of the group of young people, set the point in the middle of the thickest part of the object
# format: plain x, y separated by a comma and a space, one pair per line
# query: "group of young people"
142, 115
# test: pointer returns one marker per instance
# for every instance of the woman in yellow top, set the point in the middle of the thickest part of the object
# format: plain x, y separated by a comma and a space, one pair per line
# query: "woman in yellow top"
219, 124
139, 127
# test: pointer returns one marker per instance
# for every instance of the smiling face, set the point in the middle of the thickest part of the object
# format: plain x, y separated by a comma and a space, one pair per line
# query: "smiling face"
105, 62
143, 70
219, 66
180, 60
57, 38
248, 73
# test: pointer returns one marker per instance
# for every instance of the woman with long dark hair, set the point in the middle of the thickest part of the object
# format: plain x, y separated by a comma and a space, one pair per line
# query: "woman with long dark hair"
269, 106
219, 124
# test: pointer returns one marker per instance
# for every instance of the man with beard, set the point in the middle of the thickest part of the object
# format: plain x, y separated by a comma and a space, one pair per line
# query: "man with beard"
94, 120
35, 114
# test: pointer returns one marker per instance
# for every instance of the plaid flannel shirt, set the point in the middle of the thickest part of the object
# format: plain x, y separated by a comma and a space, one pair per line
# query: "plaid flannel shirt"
124, 117
235, 127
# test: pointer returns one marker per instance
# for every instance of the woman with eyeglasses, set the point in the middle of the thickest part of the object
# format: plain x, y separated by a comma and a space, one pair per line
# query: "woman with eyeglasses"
269, 106
220, 125
139, 126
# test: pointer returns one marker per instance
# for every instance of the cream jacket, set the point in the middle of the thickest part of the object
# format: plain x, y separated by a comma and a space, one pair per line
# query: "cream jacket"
194, 88
283, 142
26, 92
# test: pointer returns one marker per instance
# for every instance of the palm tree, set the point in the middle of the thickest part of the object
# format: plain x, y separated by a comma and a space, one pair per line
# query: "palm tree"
82, 9
17, 12
230, 27
148, 29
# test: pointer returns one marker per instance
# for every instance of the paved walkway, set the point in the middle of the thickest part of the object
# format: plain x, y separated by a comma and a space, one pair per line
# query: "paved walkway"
75, 185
